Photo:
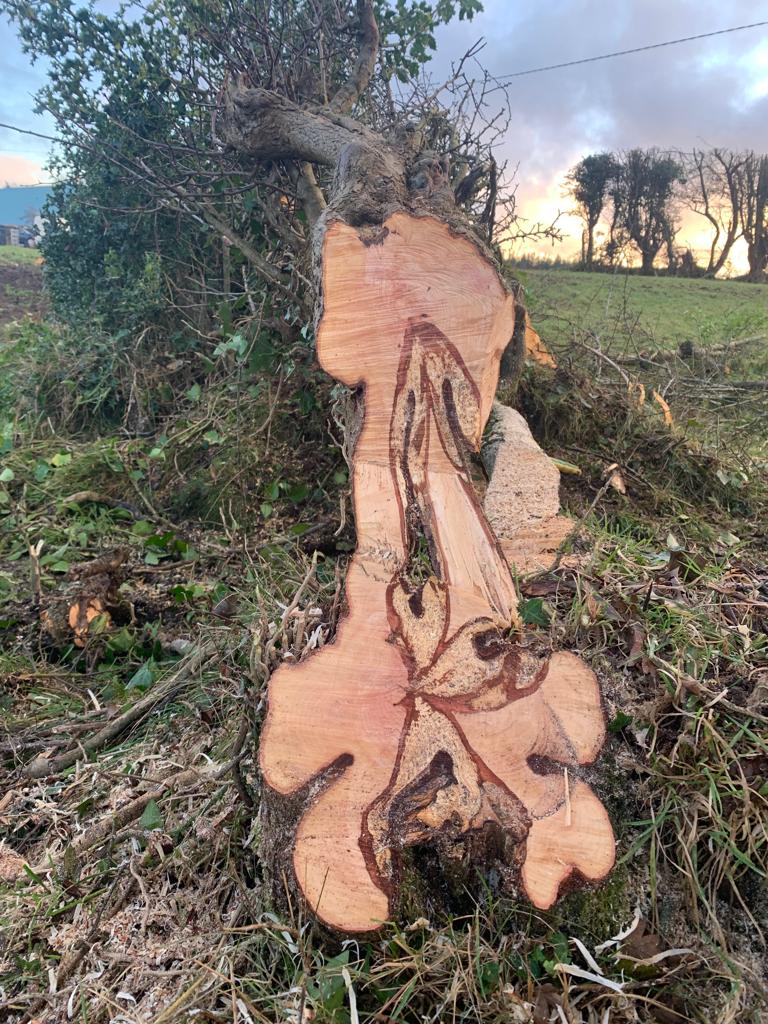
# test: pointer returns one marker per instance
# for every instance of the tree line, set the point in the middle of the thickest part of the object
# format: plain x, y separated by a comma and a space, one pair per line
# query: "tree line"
641, 195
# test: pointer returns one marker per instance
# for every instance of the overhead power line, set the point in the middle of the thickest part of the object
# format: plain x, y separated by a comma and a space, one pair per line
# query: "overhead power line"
635, 49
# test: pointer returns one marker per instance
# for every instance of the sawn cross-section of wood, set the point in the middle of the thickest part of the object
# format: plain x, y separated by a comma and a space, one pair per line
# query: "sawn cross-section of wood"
427, 718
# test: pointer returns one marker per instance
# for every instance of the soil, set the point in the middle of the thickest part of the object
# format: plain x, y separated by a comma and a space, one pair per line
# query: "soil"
21, 292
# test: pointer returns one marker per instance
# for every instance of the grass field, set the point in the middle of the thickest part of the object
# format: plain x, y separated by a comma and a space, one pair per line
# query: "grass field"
135, 884
18, 256
643, 312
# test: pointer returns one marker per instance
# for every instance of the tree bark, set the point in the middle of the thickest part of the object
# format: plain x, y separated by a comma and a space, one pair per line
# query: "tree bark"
590, 256
755, 215
646, 263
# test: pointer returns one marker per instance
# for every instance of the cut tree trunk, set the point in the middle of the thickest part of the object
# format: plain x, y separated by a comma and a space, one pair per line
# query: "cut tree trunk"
522, 501
429, 719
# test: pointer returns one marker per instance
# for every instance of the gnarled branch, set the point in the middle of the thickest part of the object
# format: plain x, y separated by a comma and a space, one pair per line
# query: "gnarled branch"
368, 32
370, 175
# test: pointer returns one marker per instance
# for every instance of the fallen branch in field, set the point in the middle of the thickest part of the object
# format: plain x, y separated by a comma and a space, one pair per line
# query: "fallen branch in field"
165, 691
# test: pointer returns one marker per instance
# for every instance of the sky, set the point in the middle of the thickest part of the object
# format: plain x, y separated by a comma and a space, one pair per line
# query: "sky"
711, 92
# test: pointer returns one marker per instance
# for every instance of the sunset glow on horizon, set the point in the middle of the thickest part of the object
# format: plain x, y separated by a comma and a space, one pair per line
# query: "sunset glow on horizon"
547, 204
20, 170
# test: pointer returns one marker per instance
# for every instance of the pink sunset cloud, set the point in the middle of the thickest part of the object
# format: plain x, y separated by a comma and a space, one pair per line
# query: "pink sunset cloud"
19, 170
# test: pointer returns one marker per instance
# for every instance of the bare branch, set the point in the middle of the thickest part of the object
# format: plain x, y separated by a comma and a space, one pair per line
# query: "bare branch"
270, 127
310, 193
370, 174
368, 32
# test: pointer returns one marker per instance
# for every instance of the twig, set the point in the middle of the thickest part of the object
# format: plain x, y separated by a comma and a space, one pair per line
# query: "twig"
237, 776
37, 587
611, 362
144, 894
269, 650
129, 812
96, 498
577, 526
42, 766
71, 962
284, 538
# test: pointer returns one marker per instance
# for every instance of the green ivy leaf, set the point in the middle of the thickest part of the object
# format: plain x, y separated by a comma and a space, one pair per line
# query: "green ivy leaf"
151, 819
534, 613
298, 529
619, 722
142, 678
297, 492
121, 642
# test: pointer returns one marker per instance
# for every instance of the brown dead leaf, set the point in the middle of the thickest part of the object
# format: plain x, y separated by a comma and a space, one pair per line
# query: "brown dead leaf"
541, 587
11, 864
664, 406
758, 698
641, 943
547, 1000
591, 603
688, 566
648, 668
615, 478
637, 641
753, 769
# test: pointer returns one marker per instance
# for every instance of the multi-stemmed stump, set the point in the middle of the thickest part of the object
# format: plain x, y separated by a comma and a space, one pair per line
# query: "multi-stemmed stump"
428, 719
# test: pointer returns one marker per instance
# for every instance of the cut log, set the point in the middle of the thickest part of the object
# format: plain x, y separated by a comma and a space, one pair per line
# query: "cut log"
522, 501
428, 719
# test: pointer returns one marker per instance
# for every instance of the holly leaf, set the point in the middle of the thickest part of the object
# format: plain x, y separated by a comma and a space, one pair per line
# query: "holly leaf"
151, 819
533, 612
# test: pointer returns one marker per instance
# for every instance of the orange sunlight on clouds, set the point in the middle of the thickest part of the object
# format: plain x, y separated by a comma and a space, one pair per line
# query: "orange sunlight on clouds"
18, 170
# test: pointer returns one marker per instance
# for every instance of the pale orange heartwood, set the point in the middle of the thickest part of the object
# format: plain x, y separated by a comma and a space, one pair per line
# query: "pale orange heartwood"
427, 716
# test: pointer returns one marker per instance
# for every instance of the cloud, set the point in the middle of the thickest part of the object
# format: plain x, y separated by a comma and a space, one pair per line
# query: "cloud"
709, 92
21, 80
19, 170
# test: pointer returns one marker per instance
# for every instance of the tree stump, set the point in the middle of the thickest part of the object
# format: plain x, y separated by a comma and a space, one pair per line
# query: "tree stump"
428, 717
